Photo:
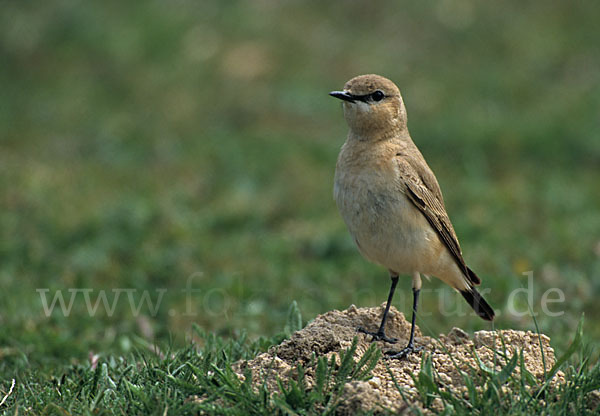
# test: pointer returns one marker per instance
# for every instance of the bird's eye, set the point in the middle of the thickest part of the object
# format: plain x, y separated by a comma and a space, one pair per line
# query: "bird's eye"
377, 95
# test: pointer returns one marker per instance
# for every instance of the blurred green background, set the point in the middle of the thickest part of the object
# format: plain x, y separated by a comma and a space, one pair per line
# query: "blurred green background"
163, 145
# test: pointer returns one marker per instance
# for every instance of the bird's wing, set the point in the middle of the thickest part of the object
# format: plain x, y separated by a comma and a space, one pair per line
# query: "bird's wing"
424, 191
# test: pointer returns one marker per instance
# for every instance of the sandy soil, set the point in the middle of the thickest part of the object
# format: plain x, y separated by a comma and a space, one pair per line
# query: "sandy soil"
451, 354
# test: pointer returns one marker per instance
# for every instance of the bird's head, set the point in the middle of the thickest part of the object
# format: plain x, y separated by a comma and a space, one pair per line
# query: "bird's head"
372, 105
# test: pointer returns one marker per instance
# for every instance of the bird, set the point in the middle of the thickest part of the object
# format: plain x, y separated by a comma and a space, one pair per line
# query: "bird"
392, 203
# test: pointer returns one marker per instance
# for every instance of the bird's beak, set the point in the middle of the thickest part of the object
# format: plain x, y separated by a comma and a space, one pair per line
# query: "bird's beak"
342, 95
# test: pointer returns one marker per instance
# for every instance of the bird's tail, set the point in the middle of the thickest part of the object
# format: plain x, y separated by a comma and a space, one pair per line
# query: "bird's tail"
478, 303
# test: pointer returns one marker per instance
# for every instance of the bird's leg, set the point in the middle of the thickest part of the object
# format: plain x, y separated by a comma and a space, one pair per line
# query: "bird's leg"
380, 334
410, 347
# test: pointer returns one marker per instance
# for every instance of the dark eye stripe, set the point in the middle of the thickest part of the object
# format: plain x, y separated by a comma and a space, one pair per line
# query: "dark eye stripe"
375, 96
362, 98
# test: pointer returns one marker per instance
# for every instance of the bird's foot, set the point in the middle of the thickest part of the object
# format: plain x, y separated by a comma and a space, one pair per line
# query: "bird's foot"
377, 336
399, 355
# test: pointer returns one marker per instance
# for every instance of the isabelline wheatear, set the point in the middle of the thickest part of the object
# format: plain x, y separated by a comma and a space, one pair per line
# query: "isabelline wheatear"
391, 201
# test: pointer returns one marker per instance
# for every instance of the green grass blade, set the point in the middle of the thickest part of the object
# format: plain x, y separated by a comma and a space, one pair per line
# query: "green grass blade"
508, 369
570, 351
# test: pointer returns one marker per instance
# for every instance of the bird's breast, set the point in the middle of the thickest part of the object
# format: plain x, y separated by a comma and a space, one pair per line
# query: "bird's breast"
386, 226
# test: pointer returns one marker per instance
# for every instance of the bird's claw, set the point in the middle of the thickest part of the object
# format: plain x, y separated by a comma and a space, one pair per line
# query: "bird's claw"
399, 355
377, 336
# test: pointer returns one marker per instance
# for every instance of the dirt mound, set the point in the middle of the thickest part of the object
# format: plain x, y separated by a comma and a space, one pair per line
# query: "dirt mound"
450, 355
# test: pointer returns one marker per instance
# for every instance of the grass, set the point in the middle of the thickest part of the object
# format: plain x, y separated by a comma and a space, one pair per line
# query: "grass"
508, 392
199, 379
186, 153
